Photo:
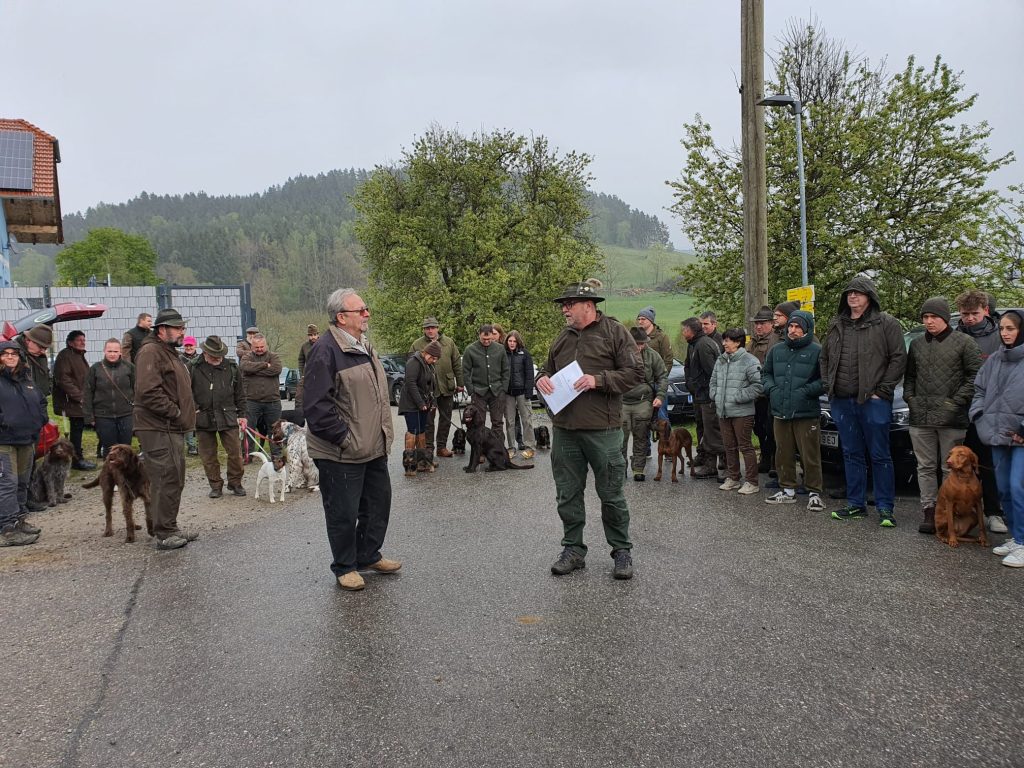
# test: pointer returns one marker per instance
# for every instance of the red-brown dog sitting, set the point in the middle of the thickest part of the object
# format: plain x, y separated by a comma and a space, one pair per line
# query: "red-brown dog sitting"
671, 444
958, 508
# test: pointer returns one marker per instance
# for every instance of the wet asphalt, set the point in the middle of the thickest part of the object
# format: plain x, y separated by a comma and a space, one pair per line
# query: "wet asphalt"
751, 635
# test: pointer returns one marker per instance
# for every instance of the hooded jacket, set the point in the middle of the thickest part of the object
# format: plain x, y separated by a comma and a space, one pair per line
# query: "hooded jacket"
735, 384
985, 335
998, 405
22, 408
792, 374
658, 340
655, 383
448, 368
872, 344
419, 385
163, 389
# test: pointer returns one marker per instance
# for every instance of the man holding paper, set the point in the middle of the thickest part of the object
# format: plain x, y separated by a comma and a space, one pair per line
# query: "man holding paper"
588, 422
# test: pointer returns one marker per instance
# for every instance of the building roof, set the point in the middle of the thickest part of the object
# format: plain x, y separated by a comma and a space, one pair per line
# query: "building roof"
33, 216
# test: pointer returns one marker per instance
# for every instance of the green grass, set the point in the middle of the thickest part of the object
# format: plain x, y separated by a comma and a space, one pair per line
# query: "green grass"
627, 268
670, 310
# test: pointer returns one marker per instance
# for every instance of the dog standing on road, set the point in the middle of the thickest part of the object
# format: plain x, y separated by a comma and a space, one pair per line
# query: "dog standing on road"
483, 444
958, 507
125, 470
274, 470
671, 444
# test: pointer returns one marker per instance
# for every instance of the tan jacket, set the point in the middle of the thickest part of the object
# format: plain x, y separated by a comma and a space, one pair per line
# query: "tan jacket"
163, 389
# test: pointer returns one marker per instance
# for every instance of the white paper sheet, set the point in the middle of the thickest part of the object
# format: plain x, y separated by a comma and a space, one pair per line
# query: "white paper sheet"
563, 383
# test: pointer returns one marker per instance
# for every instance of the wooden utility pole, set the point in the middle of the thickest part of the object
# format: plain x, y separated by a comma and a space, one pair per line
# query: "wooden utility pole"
755, 207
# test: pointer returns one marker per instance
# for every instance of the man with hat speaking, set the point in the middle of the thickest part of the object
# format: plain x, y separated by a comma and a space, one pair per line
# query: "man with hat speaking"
448, 371
588, 431
164, 411
220, 412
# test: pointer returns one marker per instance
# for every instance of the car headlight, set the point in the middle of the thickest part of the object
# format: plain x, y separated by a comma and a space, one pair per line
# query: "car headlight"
901, 416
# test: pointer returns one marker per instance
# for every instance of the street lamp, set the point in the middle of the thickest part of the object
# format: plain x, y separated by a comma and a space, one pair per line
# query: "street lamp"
795, 108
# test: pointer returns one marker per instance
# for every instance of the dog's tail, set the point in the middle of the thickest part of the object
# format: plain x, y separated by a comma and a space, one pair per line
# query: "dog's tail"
520, 466
259, 455
92, 483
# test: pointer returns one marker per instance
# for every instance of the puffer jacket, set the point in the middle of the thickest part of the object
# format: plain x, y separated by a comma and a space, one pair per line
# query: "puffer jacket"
69, 372
939, 383
735, 384
218, 393
878, 348
998, 405
655, 383
109, 390
448, 368
520, 372
346, 405
22, 407
606, 351
792, 378
419, 386
163, 390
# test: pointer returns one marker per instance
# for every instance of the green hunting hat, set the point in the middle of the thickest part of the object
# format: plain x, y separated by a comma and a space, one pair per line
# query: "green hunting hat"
214, 346
169, 317
585, 289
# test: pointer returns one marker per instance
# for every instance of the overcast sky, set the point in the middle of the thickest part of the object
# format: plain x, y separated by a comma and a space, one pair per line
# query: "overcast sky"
231, 97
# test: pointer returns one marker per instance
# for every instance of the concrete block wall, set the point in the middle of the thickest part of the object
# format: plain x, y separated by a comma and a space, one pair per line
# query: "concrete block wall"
207, 310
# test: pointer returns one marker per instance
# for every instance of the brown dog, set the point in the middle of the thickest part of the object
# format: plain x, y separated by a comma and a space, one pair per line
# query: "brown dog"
958, 508
671, 444
51, 473
124, 469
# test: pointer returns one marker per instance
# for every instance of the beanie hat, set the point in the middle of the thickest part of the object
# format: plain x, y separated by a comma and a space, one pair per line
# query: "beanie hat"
433, 349
639, 334
788, 307
937, 305
189, 340
647, 312
804, 319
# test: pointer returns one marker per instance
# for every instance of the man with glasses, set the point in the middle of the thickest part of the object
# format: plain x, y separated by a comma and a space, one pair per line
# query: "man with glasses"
348, 436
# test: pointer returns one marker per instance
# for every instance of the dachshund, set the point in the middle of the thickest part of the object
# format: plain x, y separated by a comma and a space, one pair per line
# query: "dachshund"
958, 508
671, 444
124, 469
542, 436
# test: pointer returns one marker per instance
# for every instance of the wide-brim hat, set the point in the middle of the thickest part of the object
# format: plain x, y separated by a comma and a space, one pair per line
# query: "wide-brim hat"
40, 334
763, 315
214, 346
639, 335
170, 317
251, 329
586, 290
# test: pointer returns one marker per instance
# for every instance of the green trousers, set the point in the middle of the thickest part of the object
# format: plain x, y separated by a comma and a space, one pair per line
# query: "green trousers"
573, 451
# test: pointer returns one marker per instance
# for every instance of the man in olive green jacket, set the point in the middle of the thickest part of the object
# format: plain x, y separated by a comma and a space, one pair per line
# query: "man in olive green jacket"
641, 402
448, 370
486, 373
220, 412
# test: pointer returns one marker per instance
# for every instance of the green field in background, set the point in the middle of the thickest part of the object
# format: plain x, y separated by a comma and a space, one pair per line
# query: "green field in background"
670, 310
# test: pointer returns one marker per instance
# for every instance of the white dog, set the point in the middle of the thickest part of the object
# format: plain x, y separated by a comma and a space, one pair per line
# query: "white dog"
301, 469
272, 474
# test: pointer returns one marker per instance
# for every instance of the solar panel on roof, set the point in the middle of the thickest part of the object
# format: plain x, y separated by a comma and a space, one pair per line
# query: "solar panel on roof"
16, 153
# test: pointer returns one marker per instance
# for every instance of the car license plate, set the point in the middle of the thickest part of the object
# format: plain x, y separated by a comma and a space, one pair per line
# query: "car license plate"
689, 399
830, 439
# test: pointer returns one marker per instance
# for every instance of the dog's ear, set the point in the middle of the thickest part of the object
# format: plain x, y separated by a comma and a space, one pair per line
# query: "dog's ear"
973, 459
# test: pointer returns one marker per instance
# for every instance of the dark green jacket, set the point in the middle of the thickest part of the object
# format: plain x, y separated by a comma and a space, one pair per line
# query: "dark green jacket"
219, 395
792, 379
655, 383
939, 383
485, 369
658, 341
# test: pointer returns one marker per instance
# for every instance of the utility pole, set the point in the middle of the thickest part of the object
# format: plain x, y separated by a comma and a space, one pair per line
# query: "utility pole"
755, 207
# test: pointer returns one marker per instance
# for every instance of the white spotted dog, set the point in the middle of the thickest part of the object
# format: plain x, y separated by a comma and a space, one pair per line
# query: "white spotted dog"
302, 472
274, 469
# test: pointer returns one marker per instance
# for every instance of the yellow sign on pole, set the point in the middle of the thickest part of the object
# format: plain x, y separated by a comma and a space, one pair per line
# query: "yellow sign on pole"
805, 295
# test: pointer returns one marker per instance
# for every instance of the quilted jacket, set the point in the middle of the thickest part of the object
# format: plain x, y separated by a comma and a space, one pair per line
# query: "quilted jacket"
939, 382
735, 384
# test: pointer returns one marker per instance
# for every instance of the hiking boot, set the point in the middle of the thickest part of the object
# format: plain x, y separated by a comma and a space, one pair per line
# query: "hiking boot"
995, 523
928, 524
747, 488
730, 485
444, 453
351, 581
849, 513
639, 477
771, 485
215, 493
886, 519
781, 497
623, 564
1006, 548
83, 465
15, 538
36, 506
705, 472
384, 566
814, 503
237, 490
26, 527
174, 541
568, 562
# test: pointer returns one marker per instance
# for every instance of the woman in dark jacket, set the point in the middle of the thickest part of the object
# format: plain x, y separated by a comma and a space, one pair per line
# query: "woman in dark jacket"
22, 415
998, 412
415, 403
109, 391
520, 387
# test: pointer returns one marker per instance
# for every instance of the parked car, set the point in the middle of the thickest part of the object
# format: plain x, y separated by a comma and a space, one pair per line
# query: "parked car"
289, 383
394, 368
680, 401
58, 313
903, 458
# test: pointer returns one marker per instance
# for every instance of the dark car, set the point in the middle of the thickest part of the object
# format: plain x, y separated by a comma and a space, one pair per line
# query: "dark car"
904, 460
288, 382
680, 401
394, 368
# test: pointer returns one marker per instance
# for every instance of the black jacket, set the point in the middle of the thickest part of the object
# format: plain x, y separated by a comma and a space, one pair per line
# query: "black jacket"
419, 387
22, 408
218, 394
520, 376
109, 391
701, 355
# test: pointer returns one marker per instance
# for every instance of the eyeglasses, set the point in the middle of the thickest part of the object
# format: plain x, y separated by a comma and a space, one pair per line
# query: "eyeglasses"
10, 352
360, 311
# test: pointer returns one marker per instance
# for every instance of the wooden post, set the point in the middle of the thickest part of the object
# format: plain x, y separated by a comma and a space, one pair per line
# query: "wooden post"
755, 210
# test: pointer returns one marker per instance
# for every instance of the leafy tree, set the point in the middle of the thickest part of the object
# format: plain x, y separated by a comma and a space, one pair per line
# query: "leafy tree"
33, 268
474, 229
895, 185
129, 259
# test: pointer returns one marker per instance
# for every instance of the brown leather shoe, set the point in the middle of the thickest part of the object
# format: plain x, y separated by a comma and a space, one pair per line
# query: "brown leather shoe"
444, 453
351, 581
384, 566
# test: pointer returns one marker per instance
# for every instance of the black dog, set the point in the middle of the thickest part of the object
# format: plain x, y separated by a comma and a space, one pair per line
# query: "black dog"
459, 441
482, 442
542, 436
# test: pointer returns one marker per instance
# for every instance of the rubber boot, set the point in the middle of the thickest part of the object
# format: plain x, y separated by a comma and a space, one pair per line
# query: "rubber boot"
928, 524
409, 455
423, 457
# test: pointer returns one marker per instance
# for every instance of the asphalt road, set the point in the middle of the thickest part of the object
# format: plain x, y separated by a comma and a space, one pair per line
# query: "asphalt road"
751, 636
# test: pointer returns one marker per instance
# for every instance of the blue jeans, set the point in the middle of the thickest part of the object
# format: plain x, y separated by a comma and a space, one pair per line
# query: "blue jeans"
357, 508
416, 421
1009, 467
864, 432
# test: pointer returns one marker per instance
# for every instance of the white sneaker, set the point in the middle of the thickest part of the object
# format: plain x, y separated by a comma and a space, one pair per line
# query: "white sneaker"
730, 485
748, 488
781, 497
815, 504
1006, 548
996, 524
1016, 558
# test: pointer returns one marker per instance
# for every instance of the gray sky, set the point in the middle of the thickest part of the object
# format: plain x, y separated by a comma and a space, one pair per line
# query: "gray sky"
232, 97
